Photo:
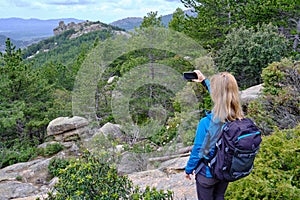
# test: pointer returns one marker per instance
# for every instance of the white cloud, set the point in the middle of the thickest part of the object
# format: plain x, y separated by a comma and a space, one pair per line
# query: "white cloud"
71, 2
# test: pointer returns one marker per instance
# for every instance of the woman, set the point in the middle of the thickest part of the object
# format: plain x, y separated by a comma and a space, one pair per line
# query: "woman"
224, 92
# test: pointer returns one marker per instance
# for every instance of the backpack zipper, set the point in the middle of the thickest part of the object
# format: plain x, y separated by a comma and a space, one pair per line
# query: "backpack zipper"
247, 135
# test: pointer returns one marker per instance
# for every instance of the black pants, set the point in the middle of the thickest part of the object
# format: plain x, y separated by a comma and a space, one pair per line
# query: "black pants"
209, 188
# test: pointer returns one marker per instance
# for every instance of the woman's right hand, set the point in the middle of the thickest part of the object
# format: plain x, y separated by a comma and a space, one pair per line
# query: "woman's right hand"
201, 77
188, 176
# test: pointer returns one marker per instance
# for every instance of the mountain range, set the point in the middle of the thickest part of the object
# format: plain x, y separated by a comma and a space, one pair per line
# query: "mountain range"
24, 32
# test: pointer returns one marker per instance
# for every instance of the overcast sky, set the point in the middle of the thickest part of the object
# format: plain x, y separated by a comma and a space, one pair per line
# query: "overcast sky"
105, 11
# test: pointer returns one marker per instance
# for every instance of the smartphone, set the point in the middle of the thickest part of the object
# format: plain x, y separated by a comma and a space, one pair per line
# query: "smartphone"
190, 75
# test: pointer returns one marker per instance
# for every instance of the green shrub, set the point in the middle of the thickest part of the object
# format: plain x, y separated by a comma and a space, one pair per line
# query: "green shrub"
247, 51
19, 178
92, 177
17, 152
149, 194
280, 103
56, 165
276, 170
51, 149
164, 136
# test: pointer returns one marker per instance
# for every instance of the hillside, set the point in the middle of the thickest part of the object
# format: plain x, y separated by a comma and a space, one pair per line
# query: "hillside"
18, 43
68, 42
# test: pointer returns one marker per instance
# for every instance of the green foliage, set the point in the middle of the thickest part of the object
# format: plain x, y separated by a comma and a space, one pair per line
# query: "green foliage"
247, 51
16, 151
151, 20
262, 117
51, 149
164, 136
190, 106
279, 104
177, 22
61, 49
56, 165
211, 23
24, 97
276, 169
93, 177
19, 178
145, 97
216, 18
282, 75
151, 194
149, 96
35, 91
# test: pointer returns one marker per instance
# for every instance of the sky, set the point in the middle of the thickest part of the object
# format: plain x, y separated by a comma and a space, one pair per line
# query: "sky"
105, 11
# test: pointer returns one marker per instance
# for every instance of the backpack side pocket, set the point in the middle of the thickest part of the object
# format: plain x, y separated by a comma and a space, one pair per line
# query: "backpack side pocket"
242, 163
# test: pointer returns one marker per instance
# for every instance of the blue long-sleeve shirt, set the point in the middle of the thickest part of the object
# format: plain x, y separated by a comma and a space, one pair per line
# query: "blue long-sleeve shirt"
206, 137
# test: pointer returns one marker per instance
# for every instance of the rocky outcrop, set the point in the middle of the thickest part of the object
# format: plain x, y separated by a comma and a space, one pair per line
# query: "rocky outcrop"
65, 129
30, 180
83, 28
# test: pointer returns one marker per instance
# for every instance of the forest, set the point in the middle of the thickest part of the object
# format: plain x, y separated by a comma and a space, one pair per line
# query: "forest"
256, 41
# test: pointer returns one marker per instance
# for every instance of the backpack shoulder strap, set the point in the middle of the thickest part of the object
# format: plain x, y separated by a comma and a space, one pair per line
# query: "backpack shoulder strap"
206, 160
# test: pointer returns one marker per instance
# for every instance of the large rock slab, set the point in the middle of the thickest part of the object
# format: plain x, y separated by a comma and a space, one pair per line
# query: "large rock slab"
19, 169
15, 189
24, 179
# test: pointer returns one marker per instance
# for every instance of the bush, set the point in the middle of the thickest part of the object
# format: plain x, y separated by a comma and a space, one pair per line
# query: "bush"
17, 152
247, 51
51, 149
92, 177
56, 165
276, 170
280, 104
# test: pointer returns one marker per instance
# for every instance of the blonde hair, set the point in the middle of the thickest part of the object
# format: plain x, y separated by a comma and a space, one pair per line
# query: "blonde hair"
225, 96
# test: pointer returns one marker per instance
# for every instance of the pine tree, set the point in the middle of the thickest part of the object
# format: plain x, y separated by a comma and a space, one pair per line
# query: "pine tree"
177, 22
24, 97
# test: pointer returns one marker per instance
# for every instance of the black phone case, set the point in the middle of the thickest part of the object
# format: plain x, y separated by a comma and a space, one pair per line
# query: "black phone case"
190, 75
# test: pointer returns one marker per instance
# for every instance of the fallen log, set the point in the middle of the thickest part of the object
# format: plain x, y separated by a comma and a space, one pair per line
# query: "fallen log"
165, 158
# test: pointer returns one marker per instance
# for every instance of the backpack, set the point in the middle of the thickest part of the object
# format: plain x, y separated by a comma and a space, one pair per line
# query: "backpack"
235, 150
